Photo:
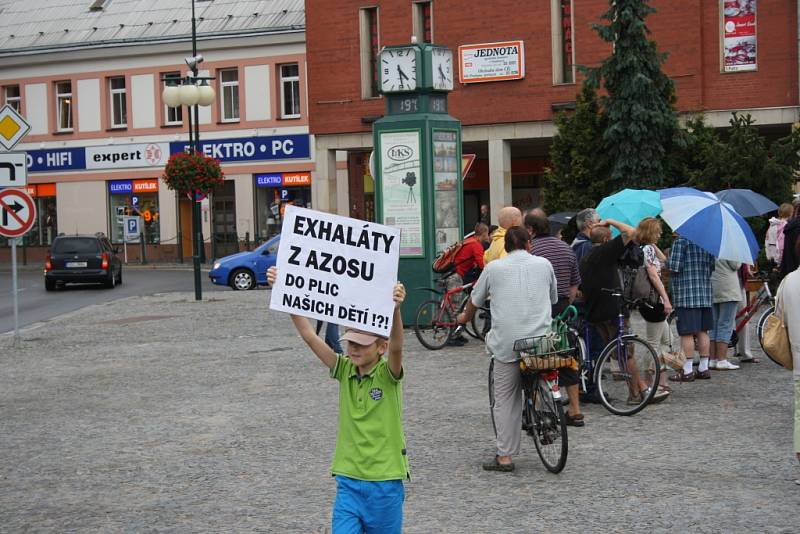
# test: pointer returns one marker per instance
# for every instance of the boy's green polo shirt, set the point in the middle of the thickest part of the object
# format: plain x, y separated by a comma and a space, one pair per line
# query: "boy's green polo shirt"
370, 444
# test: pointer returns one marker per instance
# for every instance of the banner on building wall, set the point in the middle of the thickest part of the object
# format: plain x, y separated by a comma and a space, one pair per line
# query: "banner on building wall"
283, 179
739, 35
401, 173
337, 269
127, 156
127, 187
252, 148
491, 62
143, 155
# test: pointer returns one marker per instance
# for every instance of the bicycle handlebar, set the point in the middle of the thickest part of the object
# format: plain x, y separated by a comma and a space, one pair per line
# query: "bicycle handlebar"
630, 302
569, 314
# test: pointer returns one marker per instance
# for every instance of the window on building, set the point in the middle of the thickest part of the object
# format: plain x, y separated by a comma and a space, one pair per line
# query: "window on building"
12, 97
423, 21
290, 91
172, 116
229, 82
562, 37
64, 106
368, 29
137, 198
118, 102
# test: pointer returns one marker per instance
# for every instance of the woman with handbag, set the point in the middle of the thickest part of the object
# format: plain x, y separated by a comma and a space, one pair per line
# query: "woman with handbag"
648, 233
788, 309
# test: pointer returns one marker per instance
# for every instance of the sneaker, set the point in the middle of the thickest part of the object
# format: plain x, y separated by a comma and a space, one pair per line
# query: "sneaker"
712, 364
726, 365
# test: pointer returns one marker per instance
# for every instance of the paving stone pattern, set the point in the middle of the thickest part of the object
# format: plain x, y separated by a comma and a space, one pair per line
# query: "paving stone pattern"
161, 414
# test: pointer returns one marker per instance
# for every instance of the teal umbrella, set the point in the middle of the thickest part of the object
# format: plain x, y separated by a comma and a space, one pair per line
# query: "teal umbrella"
630, 206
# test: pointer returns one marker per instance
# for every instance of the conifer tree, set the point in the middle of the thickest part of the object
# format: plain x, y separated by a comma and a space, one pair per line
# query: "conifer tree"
642, 122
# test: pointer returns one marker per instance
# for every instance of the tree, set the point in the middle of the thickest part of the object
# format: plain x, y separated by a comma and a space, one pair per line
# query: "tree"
642, 122
578, 175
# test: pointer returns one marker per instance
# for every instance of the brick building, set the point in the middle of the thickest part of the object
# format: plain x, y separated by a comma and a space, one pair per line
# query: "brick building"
723, 55
87, 75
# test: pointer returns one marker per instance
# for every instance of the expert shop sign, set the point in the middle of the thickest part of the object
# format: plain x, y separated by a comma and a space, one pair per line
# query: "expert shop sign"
337, 269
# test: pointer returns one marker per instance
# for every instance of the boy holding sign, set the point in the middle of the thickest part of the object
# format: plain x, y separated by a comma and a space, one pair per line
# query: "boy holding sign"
370, 462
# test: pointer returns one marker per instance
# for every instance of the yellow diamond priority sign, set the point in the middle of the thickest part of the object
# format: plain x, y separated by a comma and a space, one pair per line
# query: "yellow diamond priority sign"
12, 127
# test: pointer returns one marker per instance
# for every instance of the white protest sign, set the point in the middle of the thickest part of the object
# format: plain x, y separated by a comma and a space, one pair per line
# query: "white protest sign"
337, 269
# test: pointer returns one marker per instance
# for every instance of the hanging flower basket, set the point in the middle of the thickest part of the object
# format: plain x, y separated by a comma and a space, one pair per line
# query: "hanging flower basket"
186, 173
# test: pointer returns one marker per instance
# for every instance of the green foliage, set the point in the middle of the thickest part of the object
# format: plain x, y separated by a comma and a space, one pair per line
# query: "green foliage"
578, 174
194, 172
642, 122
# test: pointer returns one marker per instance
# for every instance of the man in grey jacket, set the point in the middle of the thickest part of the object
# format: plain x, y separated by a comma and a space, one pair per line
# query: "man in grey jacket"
522, 289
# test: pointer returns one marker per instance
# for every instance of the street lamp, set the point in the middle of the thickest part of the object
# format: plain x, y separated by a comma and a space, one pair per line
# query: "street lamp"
192, 91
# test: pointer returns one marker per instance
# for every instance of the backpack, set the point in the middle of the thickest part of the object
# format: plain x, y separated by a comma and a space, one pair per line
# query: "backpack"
446, 261
636, 282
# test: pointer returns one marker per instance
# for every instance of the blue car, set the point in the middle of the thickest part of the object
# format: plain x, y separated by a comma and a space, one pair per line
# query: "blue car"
245, 270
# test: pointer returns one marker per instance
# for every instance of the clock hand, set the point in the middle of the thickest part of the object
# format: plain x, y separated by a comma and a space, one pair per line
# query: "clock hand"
402, 74
442, 75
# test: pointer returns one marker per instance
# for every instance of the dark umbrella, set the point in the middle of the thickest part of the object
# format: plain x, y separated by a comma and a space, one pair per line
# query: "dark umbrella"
746, 202
562, 217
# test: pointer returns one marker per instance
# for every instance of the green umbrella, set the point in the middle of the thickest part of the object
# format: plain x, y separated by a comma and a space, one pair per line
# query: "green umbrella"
630, 206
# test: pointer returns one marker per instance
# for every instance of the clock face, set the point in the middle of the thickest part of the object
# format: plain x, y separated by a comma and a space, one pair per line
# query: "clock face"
442, 69
398, 70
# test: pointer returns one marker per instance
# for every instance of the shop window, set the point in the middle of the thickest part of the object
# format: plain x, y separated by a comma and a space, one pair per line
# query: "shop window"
368, 30
290, 91
562, 39
118, 102
172, 116
12, 97
423, 21
64, 106
229, 82
137, 198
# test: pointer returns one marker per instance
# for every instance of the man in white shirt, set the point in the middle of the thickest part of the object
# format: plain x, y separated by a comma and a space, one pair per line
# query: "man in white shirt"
523, 289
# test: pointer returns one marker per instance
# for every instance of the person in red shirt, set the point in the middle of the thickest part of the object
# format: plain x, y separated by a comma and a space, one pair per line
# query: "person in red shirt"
469, 260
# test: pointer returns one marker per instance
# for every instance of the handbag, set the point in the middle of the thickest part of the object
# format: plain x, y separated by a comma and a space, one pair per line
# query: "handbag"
775, 339
673, 358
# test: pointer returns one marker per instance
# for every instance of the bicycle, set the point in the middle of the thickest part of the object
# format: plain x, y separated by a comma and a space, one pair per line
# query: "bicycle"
743, 316
626, 372
542, 412
435, 322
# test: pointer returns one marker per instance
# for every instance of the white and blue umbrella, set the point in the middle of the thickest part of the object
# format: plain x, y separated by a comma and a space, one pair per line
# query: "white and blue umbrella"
709, 223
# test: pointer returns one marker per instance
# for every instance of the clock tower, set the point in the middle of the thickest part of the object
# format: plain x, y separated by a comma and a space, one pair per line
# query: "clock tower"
417, 161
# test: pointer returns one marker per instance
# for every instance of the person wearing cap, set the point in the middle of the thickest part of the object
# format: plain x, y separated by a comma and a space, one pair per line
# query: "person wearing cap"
370, 461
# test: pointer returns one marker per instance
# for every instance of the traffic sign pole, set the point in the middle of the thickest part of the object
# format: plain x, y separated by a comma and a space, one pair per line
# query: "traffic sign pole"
14, 291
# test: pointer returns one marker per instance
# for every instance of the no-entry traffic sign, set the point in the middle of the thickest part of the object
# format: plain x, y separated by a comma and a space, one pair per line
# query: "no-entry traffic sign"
17, 212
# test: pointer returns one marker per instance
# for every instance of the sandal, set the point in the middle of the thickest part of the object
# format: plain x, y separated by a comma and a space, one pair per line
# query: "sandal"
497, 466
573, 420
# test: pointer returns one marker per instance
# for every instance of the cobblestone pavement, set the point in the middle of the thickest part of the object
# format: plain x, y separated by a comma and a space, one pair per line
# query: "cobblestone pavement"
162, 414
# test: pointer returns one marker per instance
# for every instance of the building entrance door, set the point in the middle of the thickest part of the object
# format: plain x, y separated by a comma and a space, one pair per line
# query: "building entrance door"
226, 240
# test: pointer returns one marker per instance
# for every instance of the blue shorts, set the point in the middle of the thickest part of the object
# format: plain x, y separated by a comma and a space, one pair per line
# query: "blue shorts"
362, 506
724, 321
694, 320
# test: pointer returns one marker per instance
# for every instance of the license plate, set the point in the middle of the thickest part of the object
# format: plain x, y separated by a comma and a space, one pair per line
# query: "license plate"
72, 264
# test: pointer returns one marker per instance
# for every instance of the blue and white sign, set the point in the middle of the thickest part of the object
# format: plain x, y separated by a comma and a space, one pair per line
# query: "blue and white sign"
277, 147
58, 159
273, 179
133, 227
120, 187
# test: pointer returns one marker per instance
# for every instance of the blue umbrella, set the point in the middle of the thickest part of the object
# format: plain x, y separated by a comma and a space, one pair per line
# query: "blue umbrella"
747, 202
630, 206
709, 223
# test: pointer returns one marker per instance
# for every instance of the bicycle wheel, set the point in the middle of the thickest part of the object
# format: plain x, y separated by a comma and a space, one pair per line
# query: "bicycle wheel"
632, 366
481, 323
762, 323
433, 324
543, 420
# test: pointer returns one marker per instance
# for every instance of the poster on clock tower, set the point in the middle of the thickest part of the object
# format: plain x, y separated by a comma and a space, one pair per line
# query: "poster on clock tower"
401, 173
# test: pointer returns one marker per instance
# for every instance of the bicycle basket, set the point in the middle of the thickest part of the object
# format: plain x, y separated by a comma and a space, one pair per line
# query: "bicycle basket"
550, 351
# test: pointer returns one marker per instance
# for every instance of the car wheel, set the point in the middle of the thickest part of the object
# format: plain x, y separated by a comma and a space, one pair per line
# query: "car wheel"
119, 277
242, 280
112, 281
49, 285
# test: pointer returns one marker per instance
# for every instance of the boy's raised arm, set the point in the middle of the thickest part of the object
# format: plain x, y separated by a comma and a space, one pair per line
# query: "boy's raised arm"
396, 335
307, 332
